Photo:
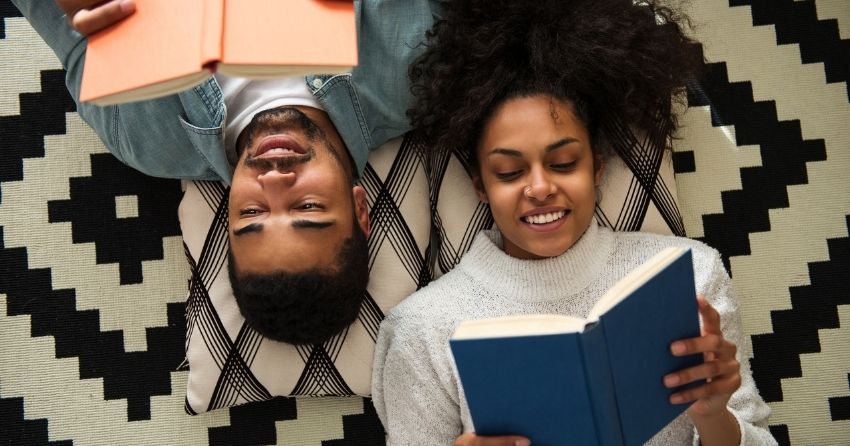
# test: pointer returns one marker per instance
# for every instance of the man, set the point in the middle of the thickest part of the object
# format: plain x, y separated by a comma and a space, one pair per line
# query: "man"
291, 152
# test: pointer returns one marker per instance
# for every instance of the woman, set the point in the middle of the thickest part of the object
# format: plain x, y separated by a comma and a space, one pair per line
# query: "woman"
536, 92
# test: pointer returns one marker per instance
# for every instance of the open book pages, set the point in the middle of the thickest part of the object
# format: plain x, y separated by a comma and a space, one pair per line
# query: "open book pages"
523, 325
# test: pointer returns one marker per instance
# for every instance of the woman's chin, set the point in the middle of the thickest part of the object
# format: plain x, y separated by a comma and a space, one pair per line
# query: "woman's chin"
536, 252
550, 252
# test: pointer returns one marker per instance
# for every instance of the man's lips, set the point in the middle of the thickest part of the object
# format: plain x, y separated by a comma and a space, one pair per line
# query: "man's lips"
278, 146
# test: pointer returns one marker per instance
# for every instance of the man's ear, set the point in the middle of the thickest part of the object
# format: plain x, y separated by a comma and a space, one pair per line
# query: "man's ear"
361, 209
478, 185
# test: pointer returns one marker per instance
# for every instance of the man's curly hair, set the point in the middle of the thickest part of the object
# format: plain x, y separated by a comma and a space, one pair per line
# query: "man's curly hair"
619, 62
306, 307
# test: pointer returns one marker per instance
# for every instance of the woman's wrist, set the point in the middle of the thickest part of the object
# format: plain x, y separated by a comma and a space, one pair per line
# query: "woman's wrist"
718, 428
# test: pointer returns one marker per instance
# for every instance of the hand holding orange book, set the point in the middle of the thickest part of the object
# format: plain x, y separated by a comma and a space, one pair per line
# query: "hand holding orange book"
167, 46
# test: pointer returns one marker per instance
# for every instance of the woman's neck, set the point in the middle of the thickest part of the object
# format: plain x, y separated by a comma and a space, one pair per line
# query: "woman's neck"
543, 279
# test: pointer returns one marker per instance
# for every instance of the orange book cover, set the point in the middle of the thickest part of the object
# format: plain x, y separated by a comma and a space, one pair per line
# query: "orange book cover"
167, 46
317, 34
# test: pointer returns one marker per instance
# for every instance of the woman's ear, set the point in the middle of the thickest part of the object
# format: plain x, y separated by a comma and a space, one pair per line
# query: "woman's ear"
599, 167
478, 185
361, 209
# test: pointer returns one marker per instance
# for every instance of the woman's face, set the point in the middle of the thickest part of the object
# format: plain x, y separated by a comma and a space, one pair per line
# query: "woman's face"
537, 172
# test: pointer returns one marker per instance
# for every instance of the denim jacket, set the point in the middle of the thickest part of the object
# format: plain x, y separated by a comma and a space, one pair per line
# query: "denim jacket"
182, 135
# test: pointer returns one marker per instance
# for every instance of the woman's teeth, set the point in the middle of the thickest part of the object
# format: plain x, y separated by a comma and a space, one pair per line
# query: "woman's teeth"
540, 219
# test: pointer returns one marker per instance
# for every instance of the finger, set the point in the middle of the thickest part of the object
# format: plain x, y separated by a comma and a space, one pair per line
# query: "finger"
465, 439
713, 347
502, 441
470, 439
702, 344
710, 317
707, 371
726, 386
70, 7
89, 21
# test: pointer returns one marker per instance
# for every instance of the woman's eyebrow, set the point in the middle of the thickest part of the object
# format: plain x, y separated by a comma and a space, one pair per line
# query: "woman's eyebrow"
504, 151
553, 146
560, 143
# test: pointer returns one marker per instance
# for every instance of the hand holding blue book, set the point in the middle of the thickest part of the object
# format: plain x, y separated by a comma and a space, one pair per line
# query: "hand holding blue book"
560, 380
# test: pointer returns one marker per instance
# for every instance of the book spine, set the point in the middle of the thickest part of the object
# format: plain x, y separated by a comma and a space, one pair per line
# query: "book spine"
600, 386
213, 33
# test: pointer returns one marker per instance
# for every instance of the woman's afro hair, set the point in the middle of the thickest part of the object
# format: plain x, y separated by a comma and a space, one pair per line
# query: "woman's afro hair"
620, 62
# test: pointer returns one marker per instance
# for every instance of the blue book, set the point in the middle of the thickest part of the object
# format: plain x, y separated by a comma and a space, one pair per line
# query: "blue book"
560, 380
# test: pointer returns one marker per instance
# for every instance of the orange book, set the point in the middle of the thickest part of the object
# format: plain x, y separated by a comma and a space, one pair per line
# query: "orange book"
168, 46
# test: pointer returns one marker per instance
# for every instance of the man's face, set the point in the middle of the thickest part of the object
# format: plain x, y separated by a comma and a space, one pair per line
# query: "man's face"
291, 200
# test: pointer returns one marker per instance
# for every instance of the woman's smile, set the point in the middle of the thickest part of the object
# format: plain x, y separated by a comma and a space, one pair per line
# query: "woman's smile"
545, 221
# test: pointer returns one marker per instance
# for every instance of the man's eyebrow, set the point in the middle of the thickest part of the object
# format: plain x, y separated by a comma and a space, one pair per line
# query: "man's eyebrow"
312, 224
253, 227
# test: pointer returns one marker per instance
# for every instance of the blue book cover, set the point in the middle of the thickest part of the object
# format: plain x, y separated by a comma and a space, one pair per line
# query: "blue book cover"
567, 381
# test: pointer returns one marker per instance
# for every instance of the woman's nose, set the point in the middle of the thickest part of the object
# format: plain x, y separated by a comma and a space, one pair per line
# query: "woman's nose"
541, 187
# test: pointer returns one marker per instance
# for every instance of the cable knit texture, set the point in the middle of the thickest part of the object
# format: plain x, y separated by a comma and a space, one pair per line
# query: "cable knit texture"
415, 385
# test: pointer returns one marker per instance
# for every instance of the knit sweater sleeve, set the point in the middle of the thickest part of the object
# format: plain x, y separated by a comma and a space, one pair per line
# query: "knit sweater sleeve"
746, 405
412, 389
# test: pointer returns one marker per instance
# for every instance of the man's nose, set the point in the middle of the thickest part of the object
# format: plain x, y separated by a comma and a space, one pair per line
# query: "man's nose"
275, 179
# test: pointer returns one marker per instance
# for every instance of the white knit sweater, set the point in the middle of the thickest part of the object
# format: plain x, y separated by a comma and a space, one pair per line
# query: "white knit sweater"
415, 387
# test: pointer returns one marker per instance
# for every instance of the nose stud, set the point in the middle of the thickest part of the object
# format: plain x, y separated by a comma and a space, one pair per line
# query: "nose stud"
527, 191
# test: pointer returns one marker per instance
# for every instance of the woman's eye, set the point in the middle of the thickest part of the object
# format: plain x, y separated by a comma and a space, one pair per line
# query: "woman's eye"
564, 167
507, 176
249, 212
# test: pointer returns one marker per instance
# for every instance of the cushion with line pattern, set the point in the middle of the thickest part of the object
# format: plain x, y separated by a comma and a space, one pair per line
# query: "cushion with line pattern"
231, 364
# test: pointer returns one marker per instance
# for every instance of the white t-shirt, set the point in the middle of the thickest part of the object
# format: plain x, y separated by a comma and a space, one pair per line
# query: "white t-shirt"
243, 98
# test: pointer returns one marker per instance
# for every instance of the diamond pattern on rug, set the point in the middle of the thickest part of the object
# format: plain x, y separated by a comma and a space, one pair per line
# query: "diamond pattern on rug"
42, 113
254, 424
92, 213
795, 331
796, 22
784, 155
7, 9
16, 430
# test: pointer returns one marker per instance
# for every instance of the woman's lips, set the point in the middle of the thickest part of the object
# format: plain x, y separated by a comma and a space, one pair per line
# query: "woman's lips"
546, 220
278, 146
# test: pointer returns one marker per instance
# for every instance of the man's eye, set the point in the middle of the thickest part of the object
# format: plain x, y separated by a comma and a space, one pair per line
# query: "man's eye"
507, 176
310, 206
249, 212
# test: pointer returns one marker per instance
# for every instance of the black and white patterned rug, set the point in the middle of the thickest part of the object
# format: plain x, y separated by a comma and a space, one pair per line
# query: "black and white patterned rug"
93, 274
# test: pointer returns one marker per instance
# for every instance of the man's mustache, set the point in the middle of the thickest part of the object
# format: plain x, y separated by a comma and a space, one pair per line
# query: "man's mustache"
278, 120
286, 163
